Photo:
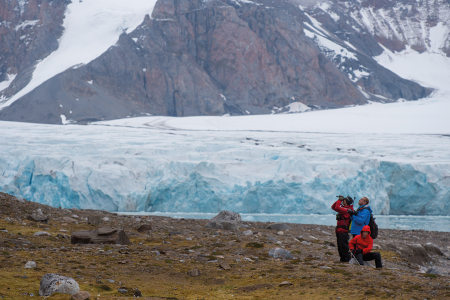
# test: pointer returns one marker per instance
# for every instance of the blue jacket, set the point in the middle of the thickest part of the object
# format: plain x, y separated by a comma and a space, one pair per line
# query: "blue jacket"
361, 219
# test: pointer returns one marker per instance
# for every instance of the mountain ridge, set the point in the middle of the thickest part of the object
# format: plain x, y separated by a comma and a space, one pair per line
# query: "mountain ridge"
217, 57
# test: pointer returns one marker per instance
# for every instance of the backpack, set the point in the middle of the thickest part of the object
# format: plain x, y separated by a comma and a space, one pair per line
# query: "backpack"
373, 227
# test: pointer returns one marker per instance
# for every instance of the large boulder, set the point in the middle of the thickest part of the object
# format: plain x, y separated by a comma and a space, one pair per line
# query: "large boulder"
53, 283
100, 236
227, 220
38, 218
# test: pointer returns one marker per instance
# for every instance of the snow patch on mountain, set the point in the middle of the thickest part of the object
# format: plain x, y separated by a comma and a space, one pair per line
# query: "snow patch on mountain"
26, 23
91, 27
428, 68
5, 84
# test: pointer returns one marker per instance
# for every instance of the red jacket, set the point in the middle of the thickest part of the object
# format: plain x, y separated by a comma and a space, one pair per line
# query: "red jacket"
358, 242
345, 216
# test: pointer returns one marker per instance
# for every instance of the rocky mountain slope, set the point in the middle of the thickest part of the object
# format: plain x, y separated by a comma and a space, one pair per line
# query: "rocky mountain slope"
212, 57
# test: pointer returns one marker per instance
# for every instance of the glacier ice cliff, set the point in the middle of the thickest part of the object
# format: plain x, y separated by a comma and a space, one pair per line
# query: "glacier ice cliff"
131, 169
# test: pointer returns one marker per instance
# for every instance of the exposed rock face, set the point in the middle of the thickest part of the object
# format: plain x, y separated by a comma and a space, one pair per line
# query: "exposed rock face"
395, 25
29, 31
100, 236
227, 220
221, 56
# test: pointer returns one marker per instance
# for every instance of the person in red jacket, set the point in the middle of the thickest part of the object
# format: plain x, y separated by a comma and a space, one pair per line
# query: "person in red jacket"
341, 206
361, 245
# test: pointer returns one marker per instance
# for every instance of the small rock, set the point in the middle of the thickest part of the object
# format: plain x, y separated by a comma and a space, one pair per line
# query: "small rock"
30, 265
137, 293
75, 216
42, 233
81, 295
433, 249
313, 237
271, 239
280, 233
225, 266
326, 232
123, 291
24, 276
4, 230
69, 220
188, 239
110, 280
105, 219
145, 228
280, 253
172, 233
278, 227
306, 243
247, 232
63, 236
194, 273
212, 261
53, 283
285, 283
376, 247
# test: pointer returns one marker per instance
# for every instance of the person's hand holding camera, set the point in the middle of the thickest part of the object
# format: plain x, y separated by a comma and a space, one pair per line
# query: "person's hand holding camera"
352, 212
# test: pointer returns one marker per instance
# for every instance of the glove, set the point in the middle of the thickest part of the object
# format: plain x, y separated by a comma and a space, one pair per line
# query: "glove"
352, 212
358, 251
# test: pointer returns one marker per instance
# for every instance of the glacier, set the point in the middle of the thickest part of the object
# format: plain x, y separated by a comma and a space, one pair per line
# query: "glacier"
150, 169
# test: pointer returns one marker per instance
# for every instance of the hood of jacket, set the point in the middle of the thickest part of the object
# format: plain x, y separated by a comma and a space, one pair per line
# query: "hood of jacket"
366, 207
366, 228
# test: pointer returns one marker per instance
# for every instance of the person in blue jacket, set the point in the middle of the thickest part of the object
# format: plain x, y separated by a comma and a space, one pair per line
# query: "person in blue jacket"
360, 217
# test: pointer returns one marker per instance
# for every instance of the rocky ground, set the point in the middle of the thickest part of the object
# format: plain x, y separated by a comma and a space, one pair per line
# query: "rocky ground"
182, 259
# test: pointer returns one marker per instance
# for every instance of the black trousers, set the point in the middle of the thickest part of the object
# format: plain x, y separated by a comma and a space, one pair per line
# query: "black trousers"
370, 256
342, 243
